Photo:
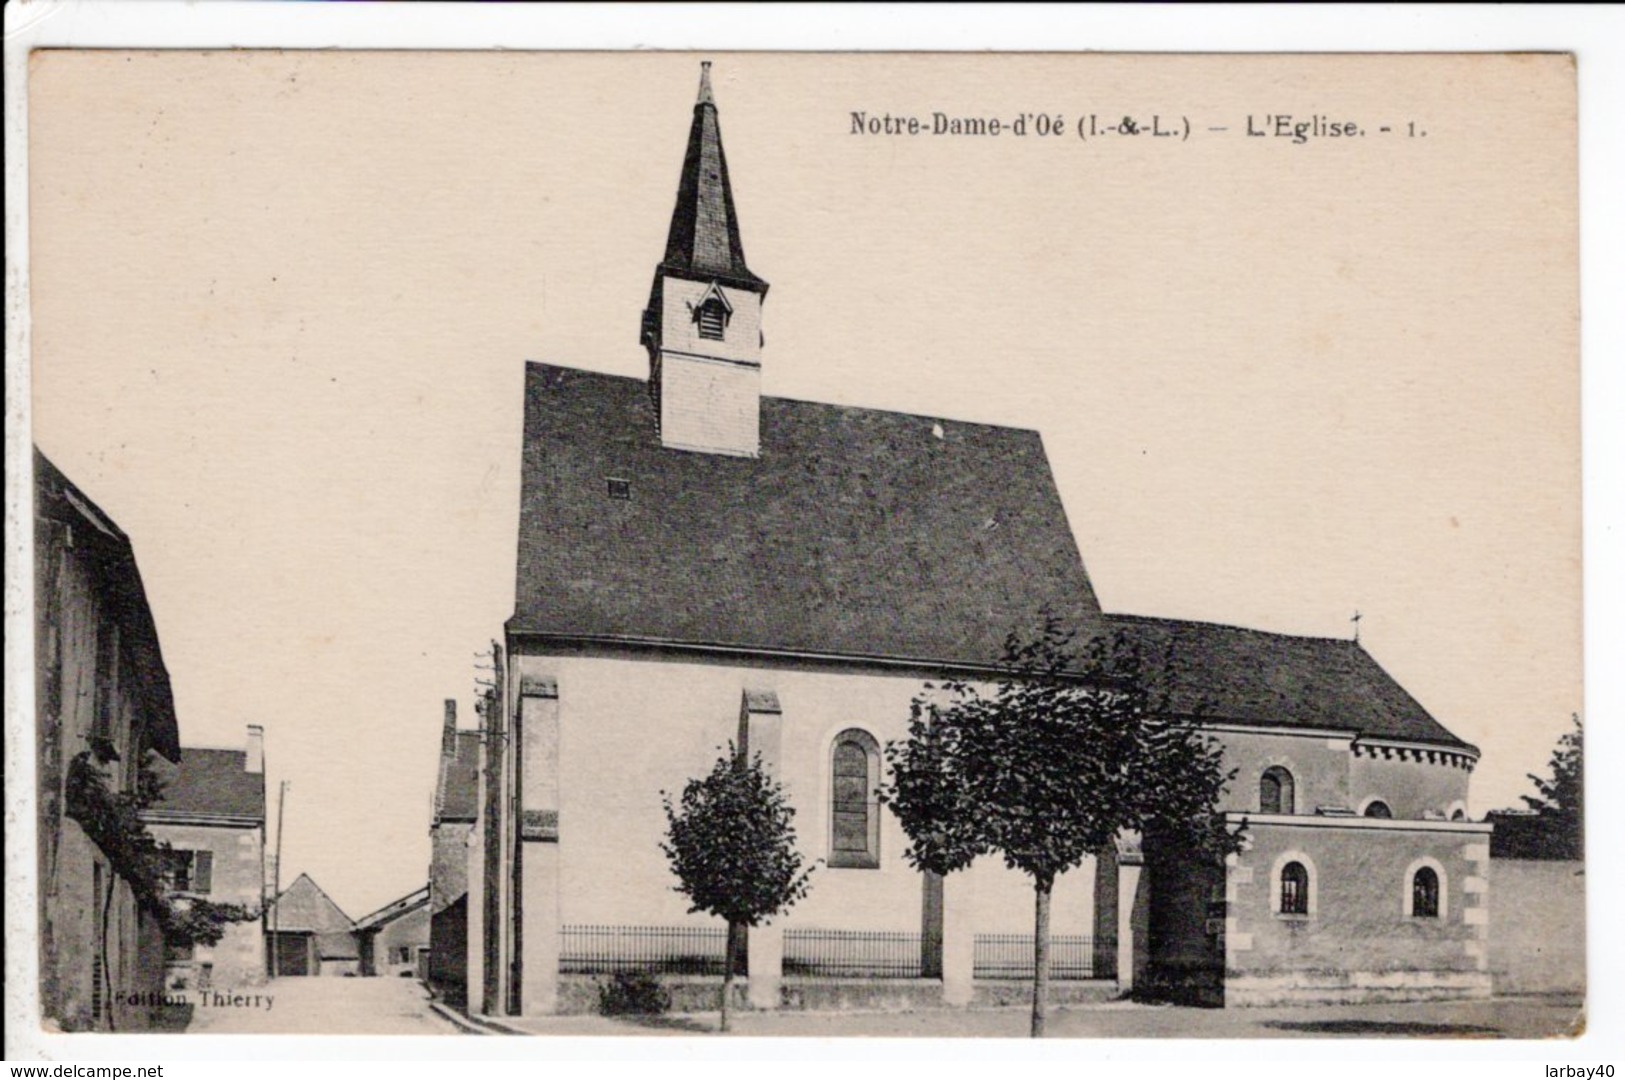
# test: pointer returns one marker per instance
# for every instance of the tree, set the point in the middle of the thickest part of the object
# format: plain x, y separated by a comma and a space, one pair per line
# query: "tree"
1560, 804
1065, 753
731, 844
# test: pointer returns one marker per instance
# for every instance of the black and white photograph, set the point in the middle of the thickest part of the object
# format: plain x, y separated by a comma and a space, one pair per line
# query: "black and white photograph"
714, 544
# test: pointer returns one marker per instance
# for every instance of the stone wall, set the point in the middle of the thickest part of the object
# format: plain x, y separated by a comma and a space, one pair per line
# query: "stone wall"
1538, 936
1358, 940
409, 932
238, 877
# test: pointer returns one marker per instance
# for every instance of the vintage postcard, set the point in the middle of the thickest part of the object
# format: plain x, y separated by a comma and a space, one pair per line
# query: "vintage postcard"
805, 544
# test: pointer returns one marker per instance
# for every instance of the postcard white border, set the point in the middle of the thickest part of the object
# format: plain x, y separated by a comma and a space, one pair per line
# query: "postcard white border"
1596, 35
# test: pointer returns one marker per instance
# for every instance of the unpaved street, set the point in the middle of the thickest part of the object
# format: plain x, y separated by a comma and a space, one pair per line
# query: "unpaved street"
321, 1006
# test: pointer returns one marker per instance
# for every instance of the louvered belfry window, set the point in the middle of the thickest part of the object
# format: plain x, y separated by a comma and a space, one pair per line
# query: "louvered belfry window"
712, 319
854, 817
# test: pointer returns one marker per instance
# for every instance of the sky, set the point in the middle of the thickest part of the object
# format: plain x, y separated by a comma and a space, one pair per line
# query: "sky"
282, 305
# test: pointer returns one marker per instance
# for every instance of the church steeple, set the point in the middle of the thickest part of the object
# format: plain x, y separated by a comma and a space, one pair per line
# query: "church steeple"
703, 241
703, 323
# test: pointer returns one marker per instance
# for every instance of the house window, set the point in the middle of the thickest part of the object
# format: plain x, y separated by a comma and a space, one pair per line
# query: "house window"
1378, 809
205, 976
1425, 893
1459, 815
191, 871
712, 317
1294, 889
1275, 791
854, 811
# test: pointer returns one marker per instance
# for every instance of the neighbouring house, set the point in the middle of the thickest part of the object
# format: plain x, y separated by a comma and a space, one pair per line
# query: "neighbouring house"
103, 702
309, 934
699, 563
456, 807
394, 940
213, 817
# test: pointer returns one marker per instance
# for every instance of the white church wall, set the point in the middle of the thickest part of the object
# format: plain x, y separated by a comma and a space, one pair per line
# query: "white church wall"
630, 728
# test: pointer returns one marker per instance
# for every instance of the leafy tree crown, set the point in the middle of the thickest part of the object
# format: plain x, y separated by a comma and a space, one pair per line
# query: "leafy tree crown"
731, 844
1069, 749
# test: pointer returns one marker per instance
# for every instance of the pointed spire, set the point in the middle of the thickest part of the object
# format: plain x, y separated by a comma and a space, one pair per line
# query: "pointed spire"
704, 239
705, 84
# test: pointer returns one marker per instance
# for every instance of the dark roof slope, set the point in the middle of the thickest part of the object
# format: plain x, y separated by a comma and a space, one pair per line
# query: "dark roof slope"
458, 797
211, 783
856, 533
1257, 677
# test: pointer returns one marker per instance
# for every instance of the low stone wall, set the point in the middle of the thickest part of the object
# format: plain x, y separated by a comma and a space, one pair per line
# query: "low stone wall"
579, 994
1355, 987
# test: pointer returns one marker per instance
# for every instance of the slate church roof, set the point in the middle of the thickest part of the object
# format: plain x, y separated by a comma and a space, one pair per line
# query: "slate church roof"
856, 533
1257, 677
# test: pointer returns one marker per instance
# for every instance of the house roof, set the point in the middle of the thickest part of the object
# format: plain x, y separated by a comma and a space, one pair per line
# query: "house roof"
394, 909
211, 783
303, 908
119, 586
703, 241
1256, 677
458, 796
856, 533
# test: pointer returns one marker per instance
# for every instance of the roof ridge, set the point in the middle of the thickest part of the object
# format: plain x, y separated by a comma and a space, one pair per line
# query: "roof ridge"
1112, 616
306, 875
410, 900
924, 416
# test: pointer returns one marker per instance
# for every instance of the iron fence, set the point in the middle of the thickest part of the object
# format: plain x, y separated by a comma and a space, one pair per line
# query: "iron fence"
871, 954
673, 950
1010, 956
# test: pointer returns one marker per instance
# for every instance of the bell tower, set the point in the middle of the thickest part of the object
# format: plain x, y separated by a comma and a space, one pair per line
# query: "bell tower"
703, 325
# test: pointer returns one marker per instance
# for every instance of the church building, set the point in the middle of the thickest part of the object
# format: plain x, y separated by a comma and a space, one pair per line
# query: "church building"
699, 563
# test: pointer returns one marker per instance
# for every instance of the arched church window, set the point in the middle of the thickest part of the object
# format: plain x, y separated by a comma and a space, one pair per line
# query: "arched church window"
1294, 889
1425, 893
1378, 809
712, 317
854, 809
1275, 791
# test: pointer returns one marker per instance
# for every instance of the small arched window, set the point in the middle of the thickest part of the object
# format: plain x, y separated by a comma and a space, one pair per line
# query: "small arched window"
1459, 815
1425, 893
1294, 889
854, 829
1275, 791
1378, 809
